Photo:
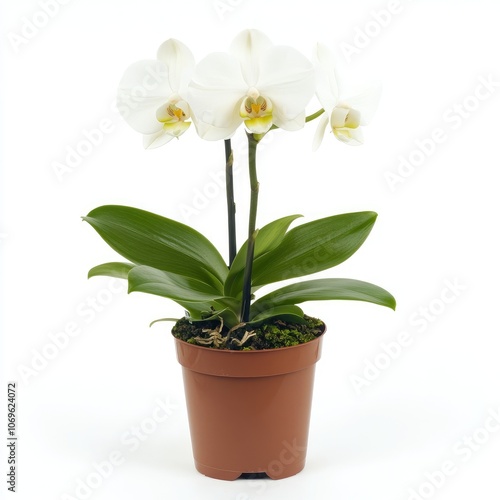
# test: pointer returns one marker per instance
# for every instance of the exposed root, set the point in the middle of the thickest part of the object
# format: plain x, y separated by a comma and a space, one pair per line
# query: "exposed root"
244, 339
214, 338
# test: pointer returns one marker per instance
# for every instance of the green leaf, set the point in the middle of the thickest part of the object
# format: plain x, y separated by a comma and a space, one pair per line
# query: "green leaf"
314, 247
323, 289
227, 315
229, 303
195, 310
290, 313
173, 286
268, 238
113, 269
148, 239
199, 299
202, 311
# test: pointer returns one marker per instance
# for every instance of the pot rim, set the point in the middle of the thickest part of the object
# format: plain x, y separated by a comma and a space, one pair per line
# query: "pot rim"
255, 350
257, 363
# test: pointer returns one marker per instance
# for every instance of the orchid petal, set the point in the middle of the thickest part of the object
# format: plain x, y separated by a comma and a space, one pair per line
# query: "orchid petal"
366, 103
350, 136
209, 132
320, 131
152, 141
338, 116
288, 123
180, 63
215, 94
249, 47
327, 89
287, 78
142, 90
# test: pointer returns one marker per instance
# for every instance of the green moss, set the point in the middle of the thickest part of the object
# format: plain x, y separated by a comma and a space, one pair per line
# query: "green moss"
271, 335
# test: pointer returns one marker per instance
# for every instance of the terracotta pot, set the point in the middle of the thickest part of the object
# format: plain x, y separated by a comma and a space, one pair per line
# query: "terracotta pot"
249, 410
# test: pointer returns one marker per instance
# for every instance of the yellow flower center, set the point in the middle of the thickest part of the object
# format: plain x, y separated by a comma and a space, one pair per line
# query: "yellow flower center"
174, 115
257, 112
176, 112
255, 107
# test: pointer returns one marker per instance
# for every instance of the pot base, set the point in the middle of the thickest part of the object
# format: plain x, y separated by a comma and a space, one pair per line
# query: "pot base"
231, 475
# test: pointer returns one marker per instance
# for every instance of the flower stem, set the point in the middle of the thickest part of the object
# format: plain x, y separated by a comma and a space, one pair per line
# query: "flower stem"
252, 232
314, 115
231, 206
308, 118
247, 279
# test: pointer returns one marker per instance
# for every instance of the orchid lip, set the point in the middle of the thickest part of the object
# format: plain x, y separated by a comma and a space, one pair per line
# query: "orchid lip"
259, 125
175, 110
176, 128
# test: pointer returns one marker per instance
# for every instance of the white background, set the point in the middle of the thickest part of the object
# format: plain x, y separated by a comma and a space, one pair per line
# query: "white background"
438, 226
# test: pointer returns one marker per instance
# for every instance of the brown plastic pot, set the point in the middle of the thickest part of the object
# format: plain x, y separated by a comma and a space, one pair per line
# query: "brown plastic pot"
249, 410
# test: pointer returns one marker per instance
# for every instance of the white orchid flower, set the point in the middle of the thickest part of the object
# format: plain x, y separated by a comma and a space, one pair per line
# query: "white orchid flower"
152, 94
345, 115
257, 83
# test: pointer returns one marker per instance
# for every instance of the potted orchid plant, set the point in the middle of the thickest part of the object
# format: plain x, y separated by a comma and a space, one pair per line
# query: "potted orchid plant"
248, 358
